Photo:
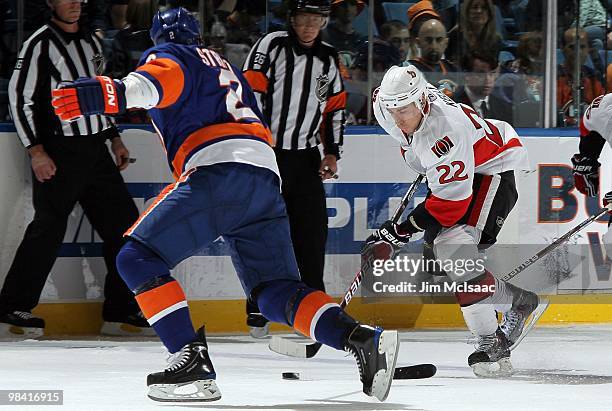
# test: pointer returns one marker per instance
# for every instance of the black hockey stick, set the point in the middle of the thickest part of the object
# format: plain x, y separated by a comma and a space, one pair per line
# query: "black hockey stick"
295, 349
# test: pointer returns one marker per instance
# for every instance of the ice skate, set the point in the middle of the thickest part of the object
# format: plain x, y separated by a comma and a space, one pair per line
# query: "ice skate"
127, 326
492, 356
525, 312
21, 324
190, 375
259, 326
376, 353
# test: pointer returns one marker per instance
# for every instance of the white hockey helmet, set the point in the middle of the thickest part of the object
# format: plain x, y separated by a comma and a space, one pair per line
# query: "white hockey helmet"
401, 86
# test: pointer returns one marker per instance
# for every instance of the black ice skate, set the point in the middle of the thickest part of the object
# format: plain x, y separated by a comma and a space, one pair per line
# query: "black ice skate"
190, 375
21, 324
259, 326
492, 356
526, 310
127, 325
376, 353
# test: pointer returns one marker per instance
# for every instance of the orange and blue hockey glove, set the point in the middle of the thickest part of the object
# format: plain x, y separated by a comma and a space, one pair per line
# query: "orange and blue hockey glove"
87, 96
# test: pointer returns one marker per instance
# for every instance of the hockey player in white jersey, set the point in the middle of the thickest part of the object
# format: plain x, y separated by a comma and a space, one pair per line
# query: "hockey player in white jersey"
595, 130
469, 163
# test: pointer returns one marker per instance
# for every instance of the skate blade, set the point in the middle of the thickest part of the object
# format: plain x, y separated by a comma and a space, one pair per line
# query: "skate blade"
500, 369
125, 330
260, 332
388, 345
195, 391
9, 331
531, 322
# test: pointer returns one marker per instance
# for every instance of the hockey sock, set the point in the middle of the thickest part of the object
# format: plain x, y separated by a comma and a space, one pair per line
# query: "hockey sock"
484, 281
309, 311
159, 296
478, 312
480, 318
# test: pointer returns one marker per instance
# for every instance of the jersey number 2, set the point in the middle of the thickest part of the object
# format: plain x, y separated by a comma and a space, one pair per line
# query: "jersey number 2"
458, 175
228, 79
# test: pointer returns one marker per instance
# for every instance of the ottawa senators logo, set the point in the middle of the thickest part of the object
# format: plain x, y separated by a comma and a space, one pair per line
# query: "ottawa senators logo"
375, 94
442, 146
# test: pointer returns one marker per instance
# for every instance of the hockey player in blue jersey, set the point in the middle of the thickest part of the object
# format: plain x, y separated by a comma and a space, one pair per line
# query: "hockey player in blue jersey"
227, 184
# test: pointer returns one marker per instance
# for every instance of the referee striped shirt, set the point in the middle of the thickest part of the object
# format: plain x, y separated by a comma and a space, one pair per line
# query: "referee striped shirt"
47, 58
299, 90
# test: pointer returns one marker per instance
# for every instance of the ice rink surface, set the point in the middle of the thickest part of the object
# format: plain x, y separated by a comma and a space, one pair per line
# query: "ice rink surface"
566, 368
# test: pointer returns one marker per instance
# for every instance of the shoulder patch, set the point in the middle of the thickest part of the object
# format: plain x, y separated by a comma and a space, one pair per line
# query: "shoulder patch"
442, 146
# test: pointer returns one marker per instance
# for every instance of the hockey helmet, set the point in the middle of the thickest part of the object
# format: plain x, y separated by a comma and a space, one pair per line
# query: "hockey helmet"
175, 26
401, 86
310, 6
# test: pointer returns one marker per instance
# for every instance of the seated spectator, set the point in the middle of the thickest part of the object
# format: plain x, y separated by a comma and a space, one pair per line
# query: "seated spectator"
358, 95
235, 53
432, 42
243, 24
481, 68
476, 30
128, 45
396, 33
133, 39
340, 32
591, 85
517, 94
418, 13
118, 11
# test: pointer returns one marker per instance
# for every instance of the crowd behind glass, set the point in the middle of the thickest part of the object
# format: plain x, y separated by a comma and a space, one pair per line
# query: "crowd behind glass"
485, 53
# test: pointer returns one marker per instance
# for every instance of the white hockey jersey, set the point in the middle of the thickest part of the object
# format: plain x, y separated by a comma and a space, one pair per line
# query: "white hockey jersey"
450, 146
598, 118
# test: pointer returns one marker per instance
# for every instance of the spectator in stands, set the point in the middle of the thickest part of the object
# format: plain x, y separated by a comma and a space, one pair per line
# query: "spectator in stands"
235, 53
133, 38
118, 13
340, 32
481, 68
396, 33
432, 42
591, 85
517, 94
476, 30
359, 97
243, 23
417, 14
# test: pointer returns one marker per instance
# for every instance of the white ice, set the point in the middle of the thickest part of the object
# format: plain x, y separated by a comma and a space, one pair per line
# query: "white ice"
566, 368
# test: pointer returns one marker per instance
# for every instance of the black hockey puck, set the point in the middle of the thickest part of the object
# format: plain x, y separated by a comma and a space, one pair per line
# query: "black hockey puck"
291, 376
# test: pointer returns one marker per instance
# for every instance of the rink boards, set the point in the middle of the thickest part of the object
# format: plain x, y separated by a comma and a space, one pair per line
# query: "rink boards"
372, 179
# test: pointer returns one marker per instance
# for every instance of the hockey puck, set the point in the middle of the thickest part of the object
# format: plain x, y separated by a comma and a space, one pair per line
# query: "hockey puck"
291, 376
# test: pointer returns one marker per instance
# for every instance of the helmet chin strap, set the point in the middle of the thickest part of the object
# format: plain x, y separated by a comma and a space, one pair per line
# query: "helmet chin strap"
57, 17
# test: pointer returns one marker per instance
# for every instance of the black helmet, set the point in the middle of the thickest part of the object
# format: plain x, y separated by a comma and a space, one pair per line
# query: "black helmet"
310, 6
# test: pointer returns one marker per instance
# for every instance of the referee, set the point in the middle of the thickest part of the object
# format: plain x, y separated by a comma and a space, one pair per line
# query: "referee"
71, 163
296, 78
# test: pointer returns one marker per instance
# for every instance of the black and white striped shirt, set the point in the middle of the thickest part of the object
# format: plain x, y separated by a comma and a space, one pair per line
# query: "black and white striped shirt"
47, 58
299, 90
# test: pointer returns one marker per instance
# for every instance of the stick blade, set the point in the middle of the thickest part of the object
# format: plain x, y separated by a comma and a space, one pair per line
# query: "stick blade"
414, 372
291, 348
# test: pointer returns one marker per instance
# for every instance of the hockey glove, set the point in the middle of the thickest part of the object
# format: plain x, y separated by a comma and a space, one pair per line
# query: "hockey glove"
607, 200
87, 96
384, 244
586, 174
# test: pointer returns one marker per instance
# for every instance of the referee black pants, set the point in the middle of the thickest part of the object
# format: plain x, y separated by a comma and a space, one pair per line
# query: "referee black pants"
304, 196
86, 174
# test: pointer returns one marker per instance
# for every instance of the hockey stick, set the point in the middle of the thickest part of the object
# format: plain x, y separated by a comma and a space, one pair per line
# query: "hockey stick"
530, 261
295, 349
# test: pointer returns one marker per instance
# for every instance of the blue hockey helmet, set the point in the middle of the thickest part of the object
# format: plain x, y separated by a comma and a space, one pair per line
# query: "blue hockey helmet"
175, 26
